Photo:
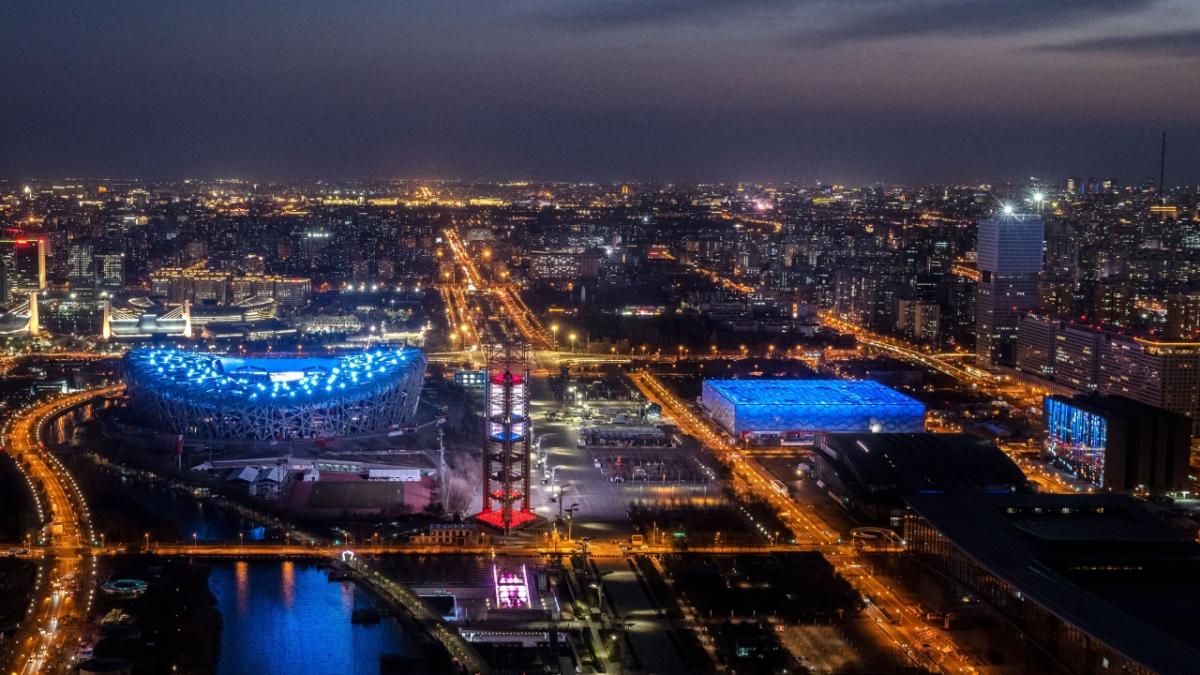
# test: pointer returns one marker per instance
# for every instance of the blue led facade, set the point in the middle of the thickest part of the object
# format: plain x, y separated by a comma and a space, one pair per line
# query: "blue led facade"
205, 395
1077, 438
804, 407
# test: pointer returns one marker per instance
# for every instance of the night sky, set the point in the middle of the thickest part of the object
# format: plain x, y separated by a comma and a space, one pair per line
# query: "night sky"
843, 90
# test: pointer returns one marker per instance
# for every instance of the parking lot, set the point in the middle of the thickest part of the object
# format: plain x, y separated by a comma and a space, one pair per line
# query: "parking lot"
633, 465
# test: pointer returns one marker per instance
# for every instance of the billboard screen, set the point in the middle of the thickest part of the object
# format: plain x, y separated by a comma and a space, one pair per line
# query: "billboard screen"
1077, 439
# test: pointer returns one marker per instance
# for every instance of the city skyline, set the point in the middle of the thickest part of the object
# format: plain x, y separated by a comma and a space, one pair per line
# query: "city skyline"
488, 405
894, 92
600, 336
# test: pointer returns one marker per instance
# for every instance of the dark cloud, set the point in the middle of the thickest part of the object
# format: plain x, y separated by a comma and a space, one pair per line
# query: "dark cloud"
521, 88
906, 18
1177, 44
855, 19
599, 15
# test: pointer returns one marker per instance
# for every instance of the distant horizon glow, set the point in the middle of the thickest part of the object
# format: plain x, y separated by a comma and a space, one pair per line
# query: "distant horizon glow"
898, 91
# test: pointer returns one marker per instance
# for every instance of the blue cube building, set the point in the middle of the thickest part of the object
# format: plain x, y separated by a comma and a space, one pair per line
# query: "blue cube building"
795, 410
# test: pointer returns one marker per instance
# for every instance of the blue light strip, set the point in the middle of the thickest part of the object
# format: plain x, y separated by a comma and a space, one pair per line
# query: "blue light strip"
201, 376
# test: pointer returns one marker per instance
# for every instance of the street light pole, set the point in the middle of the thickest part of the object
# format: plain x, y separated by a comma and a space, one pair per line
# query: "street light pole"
570, 517
553, 480
599, 586
541, 452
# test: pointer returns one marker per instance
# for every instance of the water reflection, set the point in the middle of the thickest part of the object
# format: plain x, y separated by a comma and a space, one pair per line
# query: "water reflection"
348, 596
241, 572
295, 621
287, 583
278, 616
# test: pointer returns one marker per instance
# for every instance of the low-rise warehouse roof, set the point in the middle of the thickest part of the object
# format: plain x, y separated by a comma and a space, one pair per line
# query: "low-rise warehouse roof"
923, 463
1060, 552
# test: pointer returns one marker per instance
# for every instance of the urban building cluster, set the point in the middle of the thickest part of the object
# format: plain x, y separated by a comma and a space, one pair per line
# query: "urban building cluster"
998, 383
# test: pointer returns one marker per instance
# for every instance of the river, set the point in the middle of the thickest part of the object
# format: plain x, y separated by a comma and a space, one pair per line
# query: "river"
126, 509
278, 616
284, 617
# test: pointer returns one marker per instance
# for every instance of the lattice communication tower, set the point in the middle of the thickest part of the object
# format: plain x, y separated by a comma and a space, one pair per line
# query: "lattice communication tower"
506, 497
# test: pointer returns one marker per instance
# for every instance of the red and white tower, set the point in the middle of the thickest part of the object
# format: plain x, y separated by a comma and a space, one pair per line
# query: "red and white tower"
506, 499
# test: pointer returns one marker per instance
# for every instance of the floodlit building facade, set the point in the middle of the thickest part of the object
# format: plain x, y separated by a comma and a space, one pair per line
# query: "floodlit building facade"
793, 411
202, 395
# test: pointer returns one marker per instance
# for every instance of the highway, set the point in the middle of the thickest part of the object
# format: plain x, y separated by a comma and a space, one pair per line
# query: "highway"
896, 620
613, 548
47, 638
65, 597
458, 316
67, 552
748, 474
511, 305
724, 282
908, 352
996, 387
967, 375
1045, 477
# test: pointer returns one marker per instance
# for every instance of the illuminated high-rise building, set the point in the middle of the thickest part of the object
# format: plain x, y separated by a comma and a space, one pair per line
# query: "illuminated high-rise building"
200, 284
80, 271
110, 269
1162, 373
506, 494
1009, 257
24, 264
1183, 314
1036, 345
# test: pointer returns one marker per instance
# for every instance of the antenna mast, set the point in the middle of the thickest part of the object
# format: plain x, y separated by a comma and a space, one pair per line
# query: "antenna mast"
1162, 169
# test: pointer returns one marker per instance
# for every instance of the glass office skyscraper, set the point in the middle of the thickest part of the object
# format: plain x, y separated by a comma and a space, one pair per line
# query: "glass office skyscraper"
1009, 257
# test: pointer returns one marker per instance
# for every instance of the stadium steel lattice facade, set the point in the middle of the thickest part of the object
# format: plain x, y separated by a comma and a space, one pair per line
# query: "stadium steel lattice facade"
199, 395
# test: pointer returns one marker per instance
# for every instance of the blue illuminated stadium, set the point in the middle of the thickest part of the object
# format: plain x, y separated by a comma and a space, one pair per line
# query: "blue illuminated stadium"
205, 395
797, 409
